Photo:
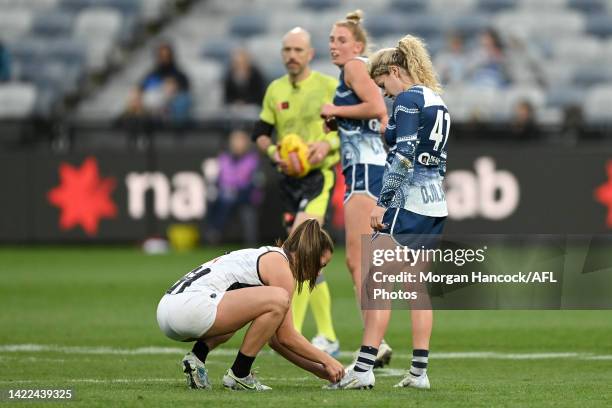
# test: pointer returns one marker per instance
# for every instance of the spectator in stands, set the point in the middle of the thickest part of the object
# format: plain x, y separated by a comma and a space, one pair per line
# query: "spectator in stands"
488, 64
452, 63
243, 83
5, 64
238, 190
164, 92
524, 126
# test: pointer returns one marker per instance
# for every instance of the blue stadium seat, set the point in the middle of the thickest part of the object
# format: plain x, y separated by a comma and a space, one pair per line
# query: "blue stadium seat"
319, 5
69, 50
407, 6
426, 26
247, 25
600, 25
53, 24
219, 50
590, 75
470, 25
564, 96
383, 24
494, 6
76, 5
126, 7
27, 50
588, 6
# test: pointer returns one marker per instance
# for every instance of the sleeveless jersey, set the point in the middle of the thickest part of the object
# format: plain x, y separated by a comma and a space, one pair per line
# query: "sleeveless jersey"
360, 141
235, 270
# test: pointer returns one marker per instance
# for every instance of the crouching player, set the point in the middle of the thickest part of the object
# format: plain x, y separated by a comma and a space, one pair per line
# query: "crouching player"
417, 133
212, 302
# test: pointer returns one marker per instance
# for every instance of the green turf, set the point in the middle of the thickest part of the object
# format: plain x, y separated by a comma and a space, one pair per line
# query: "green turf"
91, 297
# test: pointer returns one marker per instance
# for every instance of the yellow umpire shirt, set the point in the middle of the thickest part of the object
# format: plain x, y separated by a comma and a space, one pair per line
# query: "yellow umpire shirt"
296, 108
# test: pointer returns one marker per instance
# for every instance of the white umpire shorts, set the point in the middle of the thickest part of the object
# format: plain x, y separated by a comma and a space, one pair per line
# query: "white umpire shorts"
187, 316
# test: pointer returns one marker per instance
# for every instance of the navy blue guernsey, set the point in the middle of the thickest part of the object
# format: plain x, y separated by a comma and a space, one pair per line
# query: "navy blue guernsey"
417, 135
360, 141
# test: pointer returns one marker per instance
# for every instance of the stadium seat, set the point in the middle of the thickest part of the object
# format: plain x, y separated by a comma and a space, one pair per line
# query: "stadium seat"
282, 21
126, 7
247, 25
588, 6
470, 25
494, 6
589, 75
99, 27
455, 7
564, 96
28, 49
597, 103
263, 48
219, 49
408, 6
76, 5
384, 24
326, 67
319, 5
153, 10
423, 25
17, 100
546, 5
206, 78
15, 23
53, 24
600, 25
582, 48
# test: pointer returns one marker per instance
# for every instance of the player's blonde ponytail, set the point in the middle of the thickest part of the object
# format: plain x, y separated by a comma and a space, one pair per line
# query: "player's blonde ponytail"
305, 246
411, 55
353, 23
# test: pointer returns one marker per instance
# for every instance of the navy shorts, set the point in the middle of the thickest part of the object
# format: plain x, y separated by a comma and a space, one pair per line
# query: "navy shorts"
363, 178
411, 229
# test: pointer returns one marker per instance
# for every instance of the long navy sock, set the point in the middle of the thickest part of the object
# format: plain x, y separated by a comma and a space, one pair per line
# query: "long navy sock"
366, 358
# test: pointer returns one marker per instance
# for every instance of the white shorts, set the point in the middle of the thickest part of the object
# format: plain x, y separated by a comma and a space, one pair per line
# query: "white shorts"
187, 316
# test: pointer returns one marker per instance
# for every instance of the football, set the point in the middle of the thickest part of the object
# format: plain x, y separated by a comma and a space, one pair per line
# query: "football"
294, 151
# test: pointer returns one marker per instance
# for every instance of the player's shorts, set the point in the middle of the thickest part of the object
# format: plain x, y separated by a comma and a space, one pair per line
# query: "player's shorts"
411, 229
310, 194
363, 179
187, 316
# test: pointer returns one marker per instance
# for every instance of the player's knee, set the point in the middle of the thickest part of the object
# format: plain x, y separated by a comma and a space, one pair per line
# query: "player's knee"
279, 301
352, 263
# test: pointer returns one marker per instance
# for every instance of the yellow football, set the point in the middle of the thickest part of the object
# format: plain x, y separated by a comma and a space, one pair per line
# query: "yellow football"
294, 151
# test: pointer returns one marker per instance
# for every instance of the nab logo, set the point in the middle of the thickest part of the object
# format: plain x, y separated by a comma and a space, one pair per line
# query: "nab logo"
83, 197
603, 194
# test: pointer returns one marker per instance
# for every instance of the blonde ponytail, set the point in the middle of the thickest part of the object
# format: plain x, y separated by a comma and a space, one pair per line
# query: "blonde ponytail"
411, 55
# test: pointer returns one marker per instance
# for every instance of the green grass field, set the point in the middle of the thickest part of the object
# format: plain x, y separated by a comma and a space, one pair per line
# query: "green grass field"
84, 319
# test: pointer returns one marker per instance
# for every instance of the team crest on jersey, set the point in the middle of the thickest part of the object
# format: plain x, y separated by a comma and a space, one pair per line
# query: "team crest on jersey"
282, 105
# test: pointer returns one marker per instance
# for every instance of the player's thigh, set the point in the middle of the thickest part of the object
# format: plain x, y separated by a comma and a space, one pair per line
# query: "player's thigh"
318, 194
241, 306
357, 212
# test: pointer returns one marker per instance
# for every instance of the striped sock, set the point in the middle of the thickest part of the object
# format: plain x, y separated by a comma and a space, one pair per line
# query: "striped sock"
419, 362
365, 359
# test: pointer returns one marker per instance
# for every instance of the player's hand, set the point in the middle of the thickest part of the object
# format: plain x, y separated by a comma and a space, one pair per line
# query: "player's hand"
280, 163
376, 217
317, 151
383, 124
335, 370
328, 110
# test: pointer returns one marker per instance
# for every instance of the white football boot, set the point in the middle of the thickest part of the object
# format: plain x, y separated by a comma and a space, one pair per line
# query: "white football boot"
248, 383
354, 380
324, 344
383, 357
420, 382
195, 372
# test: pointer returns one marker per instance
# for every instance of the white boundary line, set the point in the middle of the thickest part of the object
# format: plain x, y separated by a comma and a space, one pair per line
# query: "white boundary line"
491, 355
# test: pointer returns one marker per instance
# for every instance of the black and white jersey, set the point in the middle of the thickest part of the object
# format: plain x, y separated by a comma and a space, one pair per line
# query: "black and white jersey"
235, 270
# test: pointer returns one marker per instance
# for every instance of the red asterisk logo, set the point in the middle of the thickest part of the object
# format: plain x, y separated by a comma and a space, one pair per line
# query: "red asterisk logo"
603, 194
83, 197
